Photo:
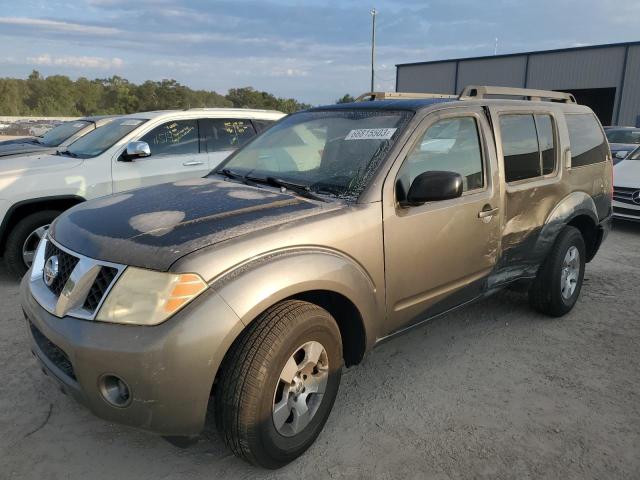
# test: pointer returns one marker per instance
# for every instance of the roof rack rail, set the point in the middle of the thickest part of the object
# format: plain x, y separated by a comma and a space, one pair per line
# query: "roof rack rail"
473, 92
371, 96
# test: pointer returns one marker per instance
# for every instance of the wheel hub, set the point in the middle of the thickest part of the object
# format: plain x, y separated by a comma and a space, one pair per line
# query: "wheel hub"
570, 272
31, 244
300, 389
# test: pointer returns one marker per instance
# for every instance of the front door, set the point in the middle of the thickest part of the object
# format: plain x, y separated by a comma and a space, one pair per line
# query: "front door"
438, 254
175, 155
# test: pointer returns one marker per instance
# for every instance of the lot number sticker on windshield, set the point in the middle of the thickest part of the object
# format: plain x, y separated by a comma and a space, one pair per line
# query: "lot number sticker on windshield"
371, 134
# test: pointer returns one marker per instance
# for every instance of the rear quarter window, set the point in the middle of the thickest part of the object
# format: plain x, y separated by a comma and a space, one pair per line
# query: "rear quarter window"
588, 144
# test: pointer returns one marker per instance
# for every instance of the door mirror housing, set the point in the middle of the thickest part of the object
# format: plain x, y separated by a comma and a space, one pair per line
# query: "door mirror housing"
136, 150
622, 154
434, 186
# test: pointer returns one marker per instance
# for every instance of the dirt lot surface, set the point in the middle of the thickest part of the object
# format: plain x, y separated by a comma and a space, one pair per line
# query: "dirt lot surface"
491, 391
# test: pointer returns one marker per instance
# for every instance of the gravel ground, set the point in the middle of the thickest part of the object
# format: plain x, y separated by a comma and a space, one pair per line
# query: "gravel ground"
491, 391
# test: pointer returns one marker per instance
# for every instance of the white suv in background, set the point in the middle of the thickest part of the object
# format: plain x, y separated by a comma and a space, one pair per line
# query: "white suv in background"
131, 151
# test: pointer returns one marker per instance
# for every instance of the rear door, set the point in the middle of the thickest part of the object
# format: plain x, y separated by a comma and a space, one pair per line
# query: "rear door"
438, 254
176, 154
528, 144
224, 135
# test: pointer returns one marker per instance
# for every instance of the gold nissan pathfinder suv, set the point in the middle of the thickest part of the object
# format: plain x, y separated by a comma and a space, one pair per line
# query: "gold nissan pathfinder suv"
244, 293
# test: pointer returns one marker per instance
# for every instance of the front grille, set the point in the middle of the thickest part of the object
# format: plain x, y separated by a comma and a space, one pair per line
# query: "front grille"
627, 211
53, 352
99, 288
624, 194
66, 264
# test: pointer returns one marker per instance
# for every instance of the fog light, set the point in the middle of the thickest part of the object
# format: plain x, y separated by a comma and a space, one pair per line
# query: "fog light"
115, 391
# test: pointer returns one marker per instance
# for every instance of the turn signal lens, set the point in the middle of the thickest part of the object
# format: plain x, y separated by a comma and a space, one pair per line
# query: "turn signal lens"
187, 287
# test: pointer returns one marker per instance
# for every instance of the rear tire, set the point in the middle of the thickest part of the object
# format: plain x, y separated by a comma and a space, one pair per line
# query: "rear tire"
251, 390
557, 286
23, 232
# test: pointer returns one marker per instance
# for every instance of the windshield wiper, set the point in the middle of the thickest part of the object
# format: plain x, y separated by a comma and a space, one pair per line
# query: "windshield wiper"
236, 176
66, 153
300, 189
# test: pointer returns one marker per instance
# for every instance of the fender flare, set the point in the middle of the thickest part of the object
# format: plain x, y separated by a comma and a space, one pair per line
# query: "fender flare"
33, 201
252, 287
573, 205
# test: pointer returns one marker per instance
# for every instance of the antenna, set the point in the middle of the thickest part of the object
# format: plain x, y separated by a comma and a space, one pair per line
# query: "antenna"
495, 50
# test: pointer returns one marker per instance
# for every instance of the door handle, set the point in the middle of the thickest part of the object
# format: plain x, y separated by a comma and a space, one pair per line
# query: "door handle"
488, 213
192, 163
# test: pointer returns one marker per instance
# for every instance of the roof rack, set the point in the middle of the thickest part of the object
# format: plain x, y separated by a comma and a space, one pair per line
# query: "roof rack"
482, 91
372, 96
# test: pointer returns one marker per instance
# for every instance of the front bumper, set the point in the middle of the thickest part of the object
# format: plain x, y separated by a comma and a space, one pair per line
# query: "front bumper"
626, 211
169, 368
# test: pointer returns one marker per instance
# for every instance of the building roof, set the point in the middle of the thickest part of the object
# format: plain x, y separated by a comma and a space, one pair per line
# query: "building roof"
518, 54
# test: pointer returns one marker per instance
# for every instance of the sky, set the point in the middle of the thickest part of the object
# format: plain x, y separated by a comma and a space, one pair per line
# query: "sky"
314, 51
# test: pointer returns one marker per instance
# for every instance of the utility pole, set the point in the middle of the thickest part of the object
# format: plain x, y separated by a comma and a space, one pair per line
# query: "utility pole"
373, 47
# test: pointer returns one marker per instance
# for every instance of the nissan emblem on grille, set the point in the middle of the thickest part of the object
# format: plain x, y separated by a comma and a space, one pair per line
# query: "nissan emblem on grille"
50, 272
635, 196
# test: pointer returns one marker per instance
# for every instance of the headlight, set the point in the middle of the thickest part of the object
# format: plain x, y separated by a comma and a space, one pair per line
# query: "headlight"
145, 297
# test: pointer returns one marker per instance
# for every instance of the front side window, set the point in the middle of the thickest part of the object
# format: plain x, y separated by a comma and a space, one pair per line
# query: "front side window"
228, 134
99, 140
179, 137
635, 155
588, 144
451, 145
62, 132
520, 147
333, 151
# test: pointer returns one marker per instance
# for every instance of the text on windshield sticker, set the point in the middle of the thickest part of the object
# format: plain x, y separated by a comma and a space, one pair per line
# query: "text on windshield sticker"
371, 134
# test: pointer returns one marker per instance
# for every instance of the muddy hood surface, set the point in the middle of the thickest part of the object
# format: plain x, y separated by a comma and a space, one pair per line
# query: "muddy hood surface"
155, 226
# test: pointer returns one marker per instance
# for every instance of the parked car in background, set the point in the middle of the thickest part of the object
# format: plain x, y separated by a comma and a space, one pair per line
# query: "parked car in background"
622, 141
59, 137
129, 152
243, 293
626, 190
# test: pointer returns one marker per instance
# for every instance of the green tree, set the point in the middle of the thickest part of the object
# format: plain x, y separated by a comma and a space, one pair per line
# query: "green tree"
346, 98
57, 95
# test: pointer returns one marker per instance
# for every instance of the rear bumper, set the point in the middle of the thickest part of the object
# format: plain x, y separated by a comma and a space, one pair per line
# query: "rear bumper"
169, 368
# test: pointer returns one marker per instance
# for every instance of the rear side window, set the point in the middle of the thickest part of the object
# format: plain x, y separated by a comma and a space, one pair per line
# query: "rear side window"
588, 144
520, 147
228, 134
546, 139
528, 146
179, 137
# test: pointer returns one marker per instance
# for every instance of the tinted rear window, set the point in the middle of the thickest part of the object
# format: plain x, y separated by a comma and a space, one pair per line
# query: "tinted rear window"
520, 147
588, 144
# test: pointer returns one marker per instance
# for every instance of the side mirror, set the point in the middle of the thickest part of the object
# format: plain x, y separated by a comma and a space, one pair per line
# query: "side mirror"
434, 186
621, 155
136, 150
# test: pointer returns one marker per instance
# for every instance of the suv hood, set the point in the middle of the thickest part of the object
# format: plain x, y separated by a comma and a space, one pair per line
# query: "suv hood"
154, 226
22, 146
626, 174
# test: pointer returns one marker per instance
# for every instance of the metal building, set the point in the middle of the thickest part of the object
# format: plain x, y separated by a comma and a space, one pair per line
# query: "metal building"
604, 77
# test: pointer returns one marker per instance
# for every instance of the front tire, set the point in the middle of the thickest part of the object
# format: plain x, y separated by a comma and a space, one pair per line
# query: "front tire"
557, 286
278, 383
23, 240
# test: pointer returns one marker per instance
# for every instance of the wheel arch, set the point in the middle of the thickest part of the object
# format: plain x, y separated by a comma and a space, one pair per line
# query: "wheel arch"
26, 207
327, 279
577, 210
